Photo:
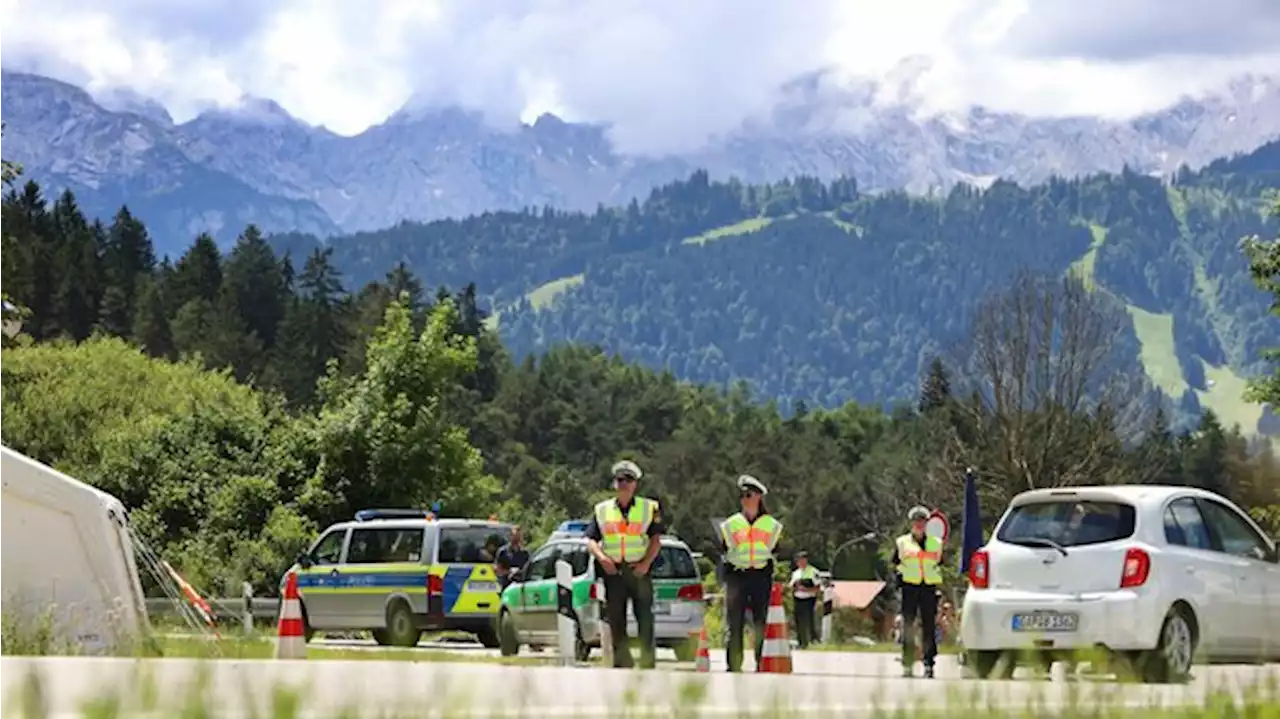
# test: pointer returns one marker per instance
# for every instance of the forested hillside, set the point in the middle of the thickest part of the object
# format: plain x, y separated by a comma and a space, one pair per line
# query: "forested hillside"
237, 403
819, 293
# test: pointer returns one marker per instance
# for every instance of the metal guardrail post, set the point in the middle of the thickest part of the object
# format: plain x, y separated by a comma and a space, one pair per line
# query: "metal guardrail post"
246, 596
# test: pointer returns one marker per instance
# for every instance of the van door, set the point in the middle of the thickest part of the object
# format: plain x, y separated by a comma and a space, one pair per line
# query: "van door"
383, 563
320, 585
467, 552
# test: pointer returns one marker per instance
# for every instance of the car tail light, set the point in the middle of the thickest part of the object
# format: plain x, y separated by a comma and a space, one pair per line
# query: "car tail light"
435, 584
596, 593
1137, 567
690, 593
980, 570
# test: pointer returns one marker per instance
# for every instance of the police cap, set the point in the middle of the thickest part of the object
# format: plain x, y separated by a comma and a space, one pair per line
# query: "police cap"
627, 468
746, 482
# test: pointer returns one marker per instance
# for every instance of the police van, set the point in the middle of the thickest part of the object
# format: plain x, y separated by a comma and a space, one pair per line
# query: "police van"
529, 603
399, 572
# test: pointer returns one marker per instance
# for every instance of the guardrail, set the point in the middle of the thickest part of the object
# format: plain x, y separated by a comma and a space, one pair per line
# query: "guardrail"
260, 608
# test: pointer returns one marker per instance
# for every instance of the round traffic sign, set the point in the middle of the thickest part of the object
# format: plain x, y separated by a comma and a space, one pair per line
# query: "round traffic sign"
938, 526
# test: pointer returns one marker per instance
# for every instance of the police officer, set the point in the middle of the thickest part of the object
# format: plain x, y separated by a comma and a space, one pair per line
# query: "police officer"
804, 590
624, 538
748, 540
916, 561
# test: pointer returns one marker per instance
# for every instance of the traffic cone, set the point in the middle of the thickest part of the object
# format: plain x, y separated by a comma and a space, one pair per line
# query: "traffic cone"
776, 655
290, 642
702, 663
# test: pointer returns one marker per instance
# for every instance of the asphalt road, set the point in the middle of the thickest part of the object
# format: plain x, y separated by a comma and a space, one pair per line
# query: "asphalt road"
847, 683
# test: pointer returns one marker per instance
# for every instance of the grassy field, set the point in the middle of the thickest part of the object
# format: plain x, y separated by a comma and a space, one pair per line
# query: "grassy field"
1084, 267
719, 233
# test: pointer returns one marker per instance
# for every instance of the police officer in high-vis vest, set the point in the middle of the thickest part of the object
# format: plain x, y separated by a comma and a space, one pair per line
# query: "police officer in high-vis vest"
624, 537
804, 593
748, 541
917, 561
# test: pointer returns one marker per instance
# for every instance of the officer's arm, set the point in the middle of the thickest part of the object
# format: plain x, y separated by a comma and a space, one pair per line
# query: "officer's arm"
594, 536
894, 561
657, 528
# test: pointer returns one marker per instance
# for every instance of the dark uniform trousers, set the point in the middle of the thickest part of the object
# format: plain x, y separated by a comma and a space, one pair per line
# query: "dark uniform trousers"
746, 589
627, 586
921, 600
804, 609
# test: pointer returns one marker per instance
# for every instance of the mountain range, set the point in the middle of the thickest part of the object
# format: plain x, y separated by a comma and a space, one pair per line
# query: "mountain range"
257, 164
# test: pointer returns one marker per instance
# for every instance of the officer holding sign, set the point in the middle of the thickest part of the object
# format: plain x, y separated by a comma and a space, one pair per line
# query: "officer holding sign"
917, 561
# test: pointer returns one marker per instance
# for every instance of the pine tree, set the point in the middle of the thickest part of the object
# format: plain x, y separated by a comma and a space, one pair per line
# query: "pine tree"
1205, 456
151, 321
29, 257
198, 274
935, 392
77, 267
127, 257
255, 286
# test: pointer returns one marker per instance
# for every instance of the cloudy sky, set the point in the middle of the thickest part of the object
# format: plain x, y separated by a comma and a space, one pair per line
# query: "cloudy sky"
664, 73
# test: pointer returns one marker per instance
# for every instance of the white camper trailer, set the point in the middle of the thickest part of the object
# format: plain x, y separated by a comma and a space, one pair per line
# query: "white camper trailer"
67, 552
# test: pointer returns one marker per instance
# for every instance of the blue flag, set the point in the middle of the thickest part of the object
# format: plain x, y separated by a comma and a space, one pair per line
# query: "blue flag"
971, 540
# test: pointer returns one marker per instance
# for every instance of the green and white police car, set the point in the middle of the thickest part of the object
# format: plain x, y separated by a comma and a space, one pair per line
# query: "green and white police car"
528, 615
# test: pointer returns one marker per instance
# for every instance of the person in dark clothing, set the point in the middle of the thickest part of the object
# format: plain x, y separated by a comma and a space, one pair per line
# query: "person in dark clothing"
916, 558
624, 537
748, 541
510, 557
804, 594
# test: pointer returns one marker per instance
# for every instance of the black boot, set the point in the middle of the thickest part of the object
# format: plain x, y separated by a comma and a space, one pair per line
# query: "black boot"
928, 671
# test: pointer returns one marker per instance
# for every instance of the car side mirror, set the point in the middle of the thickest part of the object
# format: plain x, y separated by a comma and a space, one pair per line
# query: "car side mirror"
305, 561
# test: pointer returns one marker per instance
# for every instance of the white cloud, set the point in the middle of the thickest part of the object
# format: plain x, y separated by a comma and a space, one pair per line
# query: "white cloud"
666, 74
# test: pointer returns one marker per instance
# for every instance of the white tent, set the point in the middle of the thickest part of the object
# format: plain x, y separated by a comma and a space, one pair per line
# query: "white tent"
67, 552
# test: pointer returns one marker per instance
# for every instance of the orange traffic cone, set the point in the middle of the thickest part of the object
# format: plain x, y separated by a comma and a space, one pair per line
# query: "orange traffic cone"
290, 642
703, 661
776, 656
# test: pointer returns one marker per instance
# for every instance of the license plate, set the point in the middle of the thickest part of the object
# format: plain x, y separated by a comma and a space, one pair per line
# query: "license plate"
1045, 622
483, 586
661, 607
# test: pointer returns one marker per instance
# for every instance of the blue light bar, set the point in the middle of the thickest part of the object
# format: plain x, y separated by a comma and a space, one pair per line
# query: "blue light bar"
573, 526
365, 515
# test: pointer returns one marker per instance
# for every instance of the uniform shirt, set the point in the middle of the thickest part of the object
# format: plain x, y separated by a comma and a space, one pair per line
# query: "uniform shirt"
657, 527
511, 558
724, 567
800, 591
895, 560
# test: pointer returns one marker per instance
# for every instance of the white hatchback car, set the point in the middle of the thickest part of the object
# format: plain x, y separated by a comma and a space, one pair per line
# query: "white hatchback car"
1152, 574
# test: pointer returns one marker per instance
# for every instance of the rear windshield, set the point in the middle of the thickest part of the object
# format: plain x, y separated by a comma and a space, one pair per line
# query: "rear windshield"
471, 545
674, 563
1068, 523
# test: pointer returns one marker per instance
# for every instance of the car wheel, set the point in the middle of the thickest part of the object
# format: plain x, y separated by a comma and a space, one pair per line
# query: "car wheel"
380, 636
401, 630
581, 650
488, 637
1170, 661
508, 640
990, 664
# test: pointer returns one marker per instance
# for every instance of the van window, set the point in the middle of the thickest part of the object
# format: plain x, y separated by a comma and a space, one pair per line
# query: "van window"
385, 544
674, 563
471, 545
1069, 523
329, 549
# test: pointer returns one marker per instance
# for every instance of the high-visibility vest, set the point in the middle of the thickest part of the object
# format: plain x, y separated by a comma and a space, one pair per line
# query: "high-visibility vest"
920, 565
750, 544
625, 538
801, 574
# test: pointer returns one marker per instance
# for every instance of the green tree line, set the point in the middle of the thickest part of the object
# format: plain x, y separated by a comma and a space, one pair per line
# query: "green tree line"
237, 405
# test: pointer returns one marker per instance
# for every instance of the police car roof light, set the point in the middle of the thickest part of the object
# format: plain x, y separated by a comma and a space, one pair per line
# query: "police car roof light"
573, 526
365, 515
